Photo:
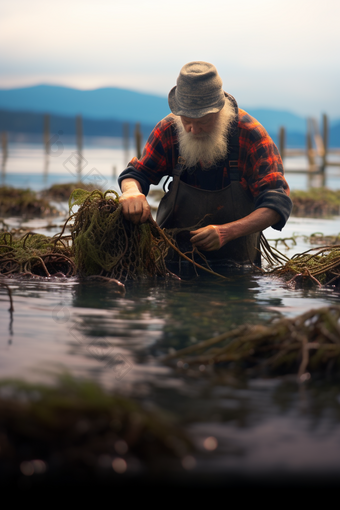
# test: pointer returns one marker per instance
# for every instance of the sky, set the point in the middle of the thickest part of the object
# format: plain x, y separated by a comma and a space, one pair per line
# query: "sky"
281, 54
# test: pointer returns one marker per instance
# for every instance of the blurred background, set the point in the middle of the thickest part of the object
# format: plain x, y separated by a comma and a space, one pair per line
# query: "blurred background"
83, 83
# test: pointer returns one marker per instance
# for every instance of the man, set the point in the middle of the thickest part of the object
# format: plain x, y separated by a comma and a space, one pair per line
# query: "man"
228, 182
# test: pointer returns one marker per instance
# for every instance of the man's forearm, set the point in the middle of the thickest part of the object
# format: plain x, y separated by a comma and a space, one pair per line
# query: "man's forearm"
258, 220
130, 184
213, 237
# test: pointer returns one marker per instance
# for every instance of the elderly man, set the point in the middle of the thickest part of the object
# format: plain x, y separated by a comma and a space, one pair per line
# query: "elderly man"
228, 182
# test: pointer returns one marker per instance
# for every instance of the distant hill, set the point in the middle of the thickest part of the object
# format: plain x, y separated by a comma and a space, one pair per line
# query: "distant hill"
120, 104
32, 123
104, 111
105, 103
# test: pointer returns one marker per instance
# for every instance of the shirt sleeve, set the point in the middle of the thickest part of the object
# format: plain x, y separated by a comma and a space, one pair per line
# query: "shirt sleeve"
156, 159
265, 175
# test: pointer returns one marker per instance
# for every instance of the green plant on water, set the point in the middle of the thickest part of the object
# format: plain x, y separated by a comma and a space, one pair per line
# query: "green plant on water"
78, 421
62, 191
36, 254
320, 265
310, 341
24, 203
316, 202
315, 238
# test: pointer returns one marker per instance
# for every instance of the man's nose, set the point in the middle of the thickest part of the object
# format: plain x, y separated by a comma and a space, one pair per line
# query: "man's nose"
195, 129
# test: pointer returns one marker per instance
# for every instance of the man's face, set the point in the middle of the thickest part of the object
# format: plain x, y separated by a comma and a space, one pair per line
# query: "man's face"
199, 127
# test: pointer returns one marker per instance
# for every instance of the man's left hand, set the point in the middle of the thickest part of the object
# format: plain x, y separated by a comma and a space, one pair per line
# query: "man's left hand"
207, 238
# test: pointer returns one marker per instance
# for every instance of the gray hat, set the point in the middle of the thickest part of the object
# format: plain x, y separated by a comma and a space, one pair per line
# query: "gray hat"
198, 92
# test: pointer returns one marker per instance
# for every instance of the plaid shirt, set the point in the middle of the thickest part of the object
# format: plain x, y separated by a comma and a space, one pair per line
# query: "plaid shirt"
259, 163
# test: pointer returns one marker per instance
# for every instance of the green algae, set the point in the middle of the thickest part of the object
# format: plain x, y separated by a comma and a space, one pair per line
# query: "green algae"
308, 342
316, 203
77, 422
24, 203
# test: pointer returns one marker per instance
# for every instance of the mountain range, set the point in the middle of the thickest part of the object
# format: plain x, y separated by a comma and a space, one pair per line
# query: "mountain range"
105, 110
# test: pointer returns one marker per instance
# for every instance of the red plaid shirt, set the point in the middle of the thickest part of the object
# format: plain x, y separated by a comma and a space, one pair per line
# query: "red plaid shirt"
259, 163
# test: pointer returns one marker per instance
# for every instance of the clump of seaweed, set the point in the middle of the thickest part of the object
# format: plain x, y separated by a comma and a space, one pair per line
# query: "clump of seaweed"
75, 426
24, 203
308, 342
106, 244
316, 203
102, 244
36, 254
320, 265
315, 238
62, 191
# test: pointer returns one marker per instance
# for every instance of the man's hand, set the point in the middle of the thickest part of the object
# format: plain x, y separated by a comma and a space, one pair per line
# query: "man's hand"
213, 237
135, 206
207, 238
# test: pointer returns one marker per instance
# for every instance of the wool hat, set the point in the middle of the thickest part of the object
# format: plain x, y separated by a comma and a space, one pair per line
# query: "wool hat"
198, 91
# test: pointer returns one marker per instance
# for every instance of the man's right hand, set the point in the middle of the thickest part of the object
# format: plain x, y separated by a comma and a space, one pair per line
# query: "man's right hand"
135, 206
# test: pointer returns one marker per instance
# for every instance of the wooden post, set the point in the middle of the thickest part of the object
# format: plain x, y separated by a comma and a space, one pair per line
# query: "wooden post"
4, 147
325, 131
47, 143
310, 150
126, 141
282, 141
79, 135
138, 138
317, 138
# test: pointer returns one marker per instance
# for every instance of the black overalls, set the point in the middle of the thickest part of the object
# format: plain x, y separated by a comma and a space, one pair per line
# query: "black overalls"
188, 207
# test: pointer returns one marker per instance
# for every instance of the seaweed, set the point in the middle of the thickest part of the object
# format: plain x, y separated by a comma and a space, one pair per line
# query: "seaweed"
24, 203
62, 191
308, 342
76, 424
316, 203
101, 243
36, 254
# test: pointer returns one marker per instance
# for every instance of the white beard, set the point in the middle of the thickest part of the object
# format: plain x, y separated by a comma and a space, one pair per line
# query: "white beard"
206, 148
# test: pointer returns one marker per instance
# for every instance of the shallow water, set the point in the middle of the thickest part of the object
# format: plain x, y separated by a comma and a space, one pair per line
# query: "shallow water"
259, 426
89, 329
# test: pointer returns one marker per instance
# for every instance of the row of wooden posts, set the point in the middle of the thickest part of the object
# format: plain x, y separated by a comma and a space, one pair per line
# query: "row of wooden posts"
79, 143
317, 149
317, 146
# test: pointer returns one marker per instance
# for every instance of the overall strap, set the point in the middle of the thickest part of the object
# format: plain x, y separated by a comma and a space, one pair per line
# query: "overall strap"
234, 145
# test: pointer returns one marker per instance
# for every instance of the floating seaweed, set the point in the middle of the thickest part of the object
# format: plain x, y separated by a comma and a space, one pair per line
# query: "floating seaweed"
316, 203
320, 265
315, 238
308, 342
75, 426
24, 203
36, 254
62, 192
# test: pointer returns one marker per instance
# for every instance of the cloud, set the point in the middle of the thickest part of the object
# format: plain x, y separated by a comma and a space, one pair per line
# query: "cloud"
281, 52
